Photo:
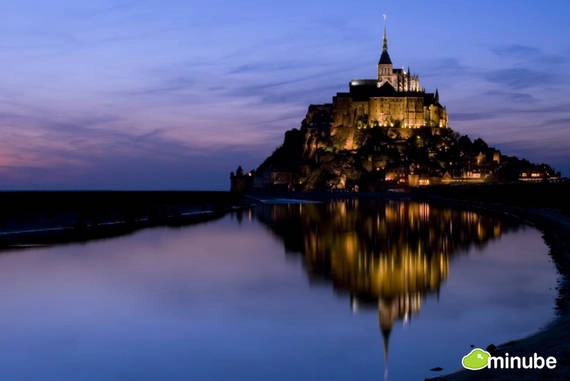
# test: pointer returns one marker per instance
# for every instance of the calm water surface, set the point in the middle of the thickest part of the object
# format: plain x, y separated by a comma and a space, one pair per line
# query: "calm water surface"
334, 291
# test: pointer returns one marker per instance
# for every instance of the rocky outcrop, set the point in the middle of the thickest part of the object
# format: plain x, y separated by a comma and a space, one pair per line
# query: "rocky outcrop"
322, 155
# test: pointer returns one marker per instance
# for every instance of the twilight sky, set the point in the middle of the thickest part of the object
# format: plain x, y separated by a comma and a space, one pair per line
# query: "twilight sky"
148, 94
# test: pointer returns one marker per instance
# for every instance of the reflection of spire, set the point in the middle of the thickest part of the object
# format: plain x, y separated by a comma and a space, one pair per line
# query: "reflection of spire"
386, 340
390, 310
386, 322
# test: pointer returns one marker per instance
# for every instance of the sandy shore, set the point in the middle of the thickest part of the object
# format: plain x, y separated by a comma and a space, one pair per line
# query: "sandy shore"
554, 339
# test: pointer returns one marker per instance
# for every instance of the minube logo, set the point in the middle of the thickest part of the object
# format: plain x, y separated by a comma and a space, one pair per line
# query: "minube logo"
479, 359
476, 359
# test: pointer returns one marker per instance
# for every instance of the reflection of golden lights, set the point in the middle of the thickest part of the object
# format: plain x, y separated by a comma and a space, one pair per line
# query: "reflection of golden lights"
394, 255
496, 230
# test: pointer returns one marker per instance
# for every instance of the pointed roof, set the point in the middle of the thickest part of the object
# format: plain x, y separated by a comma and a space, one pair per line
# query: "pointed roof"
385, 57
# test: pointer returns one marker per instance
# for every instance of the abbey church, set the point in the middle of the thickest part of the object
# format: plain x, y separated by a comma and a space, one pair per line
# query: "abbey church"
394, 99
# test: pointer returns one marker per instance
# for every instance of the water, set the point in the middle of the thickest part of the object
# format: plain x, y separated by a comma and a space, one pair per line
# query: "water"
335, 291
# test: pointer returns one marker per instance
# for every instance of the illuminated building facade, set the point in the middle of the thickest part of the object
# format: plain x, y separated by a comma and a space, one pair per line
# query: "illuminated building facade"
394, 99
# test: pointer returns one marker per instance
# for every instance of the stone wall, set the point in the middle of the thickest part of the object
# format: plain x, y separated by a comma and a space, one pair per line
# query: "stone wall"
388, 111
407, 112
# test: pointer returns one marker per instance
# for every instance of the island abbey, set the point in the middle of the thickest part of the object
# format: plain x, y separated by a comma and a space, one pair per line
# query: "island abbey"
394, 99
383, 133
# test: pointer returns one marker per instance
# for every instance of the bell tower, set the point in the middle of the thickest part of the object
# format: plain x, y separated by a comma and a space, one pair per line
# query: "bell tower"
385, 68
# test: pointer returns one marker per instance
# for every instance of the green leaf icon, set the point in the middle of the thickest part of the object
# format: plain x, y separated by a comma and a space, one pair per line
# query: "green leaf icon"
476, 359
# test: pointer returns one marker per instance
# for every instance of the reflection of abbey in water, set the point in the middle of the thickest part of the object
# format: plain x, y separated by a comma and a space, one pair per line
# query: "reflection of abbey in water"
387, 254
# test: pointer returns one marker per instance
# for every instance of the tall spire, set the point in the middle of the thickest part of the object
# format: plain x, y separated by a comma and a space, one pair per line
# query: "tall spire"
385, 57
385, 39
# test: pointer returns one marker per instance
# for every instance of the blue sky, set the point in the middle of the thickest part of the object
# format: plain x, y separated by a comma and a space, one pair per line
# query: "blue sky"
174, 95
